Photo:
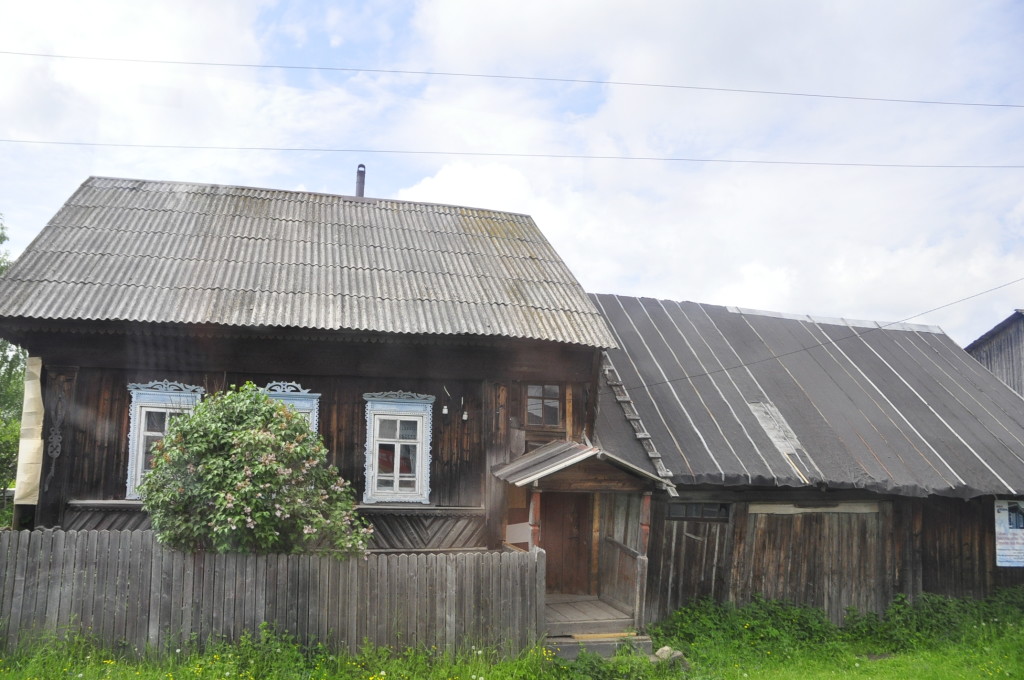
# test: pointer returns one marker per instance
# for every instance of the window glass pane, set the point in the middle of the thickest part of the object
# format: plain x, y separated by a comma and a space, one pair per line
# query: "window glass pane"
156, 421
551, 413
408, 462
701, 512
385, 483
148, 443
544, 405
407, 484
387, 428
408, 429
385, 459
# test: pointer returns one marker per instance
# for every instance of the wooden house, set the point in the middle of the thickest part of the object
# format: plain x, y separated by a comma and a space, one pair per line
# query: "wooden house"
829, 462
1001, 350
430, 345
478, 399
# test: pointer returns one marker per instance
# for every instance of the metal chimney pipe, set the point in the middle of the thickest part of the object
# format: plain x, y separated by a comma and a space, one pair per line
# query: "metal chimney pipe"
360, 179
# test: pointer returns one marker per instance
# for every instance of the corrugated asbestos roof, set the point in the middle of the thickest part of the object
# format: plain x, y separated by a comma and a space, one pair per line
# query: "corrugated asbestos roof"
740, 398
146, 251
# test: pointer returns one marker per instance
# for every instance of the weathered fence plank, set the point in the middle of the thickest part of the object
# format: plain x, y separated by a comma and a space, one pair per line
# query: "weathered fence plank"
125, 588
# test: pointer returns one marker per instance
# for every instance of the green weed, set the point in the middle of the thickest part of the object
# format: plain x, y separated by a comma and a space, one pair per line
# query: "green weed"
930, 638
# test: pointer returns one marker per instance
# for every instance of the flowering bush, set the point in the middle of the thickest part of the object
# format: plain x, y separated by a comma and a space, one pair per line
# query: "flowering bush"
244, 472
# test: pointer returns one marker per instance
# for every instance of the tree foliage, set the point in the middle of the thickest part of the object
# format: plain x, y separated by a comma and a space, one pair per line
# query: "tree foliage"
244, 472
12, 389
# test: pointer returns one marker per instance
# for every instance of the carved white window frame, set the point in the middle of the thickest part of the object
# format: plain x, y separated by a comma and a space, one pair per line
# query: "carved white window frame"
404, 406
305, 402
160, 395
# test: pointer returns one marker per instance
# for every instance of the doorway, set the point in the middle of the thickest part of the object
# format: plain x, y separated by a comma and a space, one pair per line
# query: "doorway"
567, 524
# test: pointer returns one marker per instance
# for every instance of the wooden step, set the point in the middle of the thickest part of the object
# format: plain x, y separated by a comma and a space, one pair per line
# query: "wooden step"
616, 625
568, 647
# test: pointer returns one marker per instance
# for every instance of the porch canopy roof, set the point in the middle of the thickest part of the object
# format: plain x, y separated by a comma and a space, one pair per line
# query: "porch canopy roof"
558, 455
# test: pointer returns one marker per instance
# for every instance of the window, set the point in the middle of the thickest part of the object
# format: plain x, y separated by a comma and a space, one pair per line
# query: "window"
153, 405
398, 447
543, 405
305, 402
700, 512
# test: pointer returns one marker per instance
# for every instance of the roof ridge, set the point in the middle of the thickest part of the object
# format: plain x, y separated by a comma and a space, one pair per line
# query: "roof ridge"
293, 192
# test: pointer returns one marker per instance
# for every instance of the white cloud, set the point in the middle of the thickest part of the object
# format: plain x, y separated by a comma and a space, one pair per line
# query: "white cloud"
878, 243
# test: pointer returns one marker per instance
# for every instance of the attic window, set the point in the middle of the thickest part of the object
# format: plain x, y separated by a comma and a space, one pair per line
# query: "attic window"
153, 405
398, 428
543, 405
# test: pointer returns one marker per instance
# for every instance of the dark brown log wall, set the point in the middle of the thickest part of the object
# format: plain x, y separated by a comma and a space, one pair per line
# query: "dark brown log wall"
95, 462
485, 381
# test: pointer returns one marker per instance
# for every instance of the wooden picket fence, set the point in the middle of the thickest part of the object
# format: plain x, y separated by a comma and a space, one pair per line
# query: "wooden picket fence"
125, 589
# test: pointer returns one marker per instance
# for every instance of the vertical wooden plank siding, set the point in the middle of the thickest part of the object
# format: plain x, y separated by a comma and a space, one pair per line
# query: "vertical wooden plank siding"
828, 557
688, 561
958, 553
126, 589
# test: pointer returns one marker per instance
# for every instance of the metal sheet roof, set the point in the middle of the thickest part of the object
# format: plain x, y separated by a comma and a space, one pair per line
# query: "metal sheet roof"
742, 398
146, 251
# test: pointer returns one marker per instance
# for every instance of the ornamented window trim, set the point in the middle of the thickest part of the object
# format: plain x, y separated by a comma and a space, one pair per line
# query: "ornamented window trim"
402, 406
158, 395
305, 402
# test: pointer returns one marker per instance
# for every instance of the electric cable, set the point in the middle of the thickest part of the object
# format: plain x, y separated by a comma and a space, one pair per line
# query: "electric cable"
501, 154
496, 76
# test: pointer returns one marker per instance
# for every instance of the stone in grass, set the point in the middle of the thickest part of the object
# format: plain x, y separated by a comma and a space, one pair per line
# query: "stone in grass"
673, 657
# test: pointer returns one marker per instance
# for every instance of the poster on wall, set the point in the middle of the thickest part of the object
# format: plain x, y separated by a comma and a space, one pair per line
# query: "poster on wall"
1010, 533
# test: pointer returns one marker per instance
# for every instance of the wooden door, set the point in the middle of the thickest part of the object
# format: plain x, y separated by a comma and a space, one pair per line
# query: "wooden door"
566, 526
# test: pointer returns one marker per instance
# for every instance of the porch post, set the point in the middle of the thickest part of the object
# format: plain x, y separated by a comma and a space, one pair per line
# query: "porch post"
645, 521
535, 517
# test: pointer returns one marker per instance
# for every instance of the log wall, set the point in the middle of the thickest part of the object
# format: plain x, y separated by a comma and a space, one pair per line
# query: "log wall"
484, 381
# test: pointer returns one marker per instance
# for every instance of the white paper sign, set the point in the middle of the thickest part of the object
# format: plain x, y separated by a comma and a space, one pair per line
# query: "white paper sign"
1010, 533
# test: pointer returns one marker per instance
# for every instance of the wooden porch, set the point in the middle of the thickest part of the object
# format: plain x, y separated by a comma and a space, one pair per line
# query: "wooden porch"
578, 622
583, 614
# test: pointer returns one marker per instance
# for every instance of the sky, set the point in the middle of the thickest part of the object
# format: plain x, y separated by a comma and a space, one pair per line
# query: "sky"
784, 203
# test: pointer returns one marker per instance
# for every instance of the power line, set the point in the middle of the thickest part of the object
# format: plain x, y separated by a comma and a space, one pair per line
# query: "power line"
826, 343
496, 76
500, 154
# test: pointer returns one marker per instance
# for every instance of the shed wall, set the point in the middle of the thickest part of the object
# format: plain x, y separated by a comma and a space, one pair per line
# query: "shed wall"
1003, 354
828, 559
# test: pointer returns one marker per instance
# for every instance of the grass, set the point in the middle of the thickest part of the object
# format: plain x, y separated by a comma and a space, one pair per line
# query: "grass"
931, 638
